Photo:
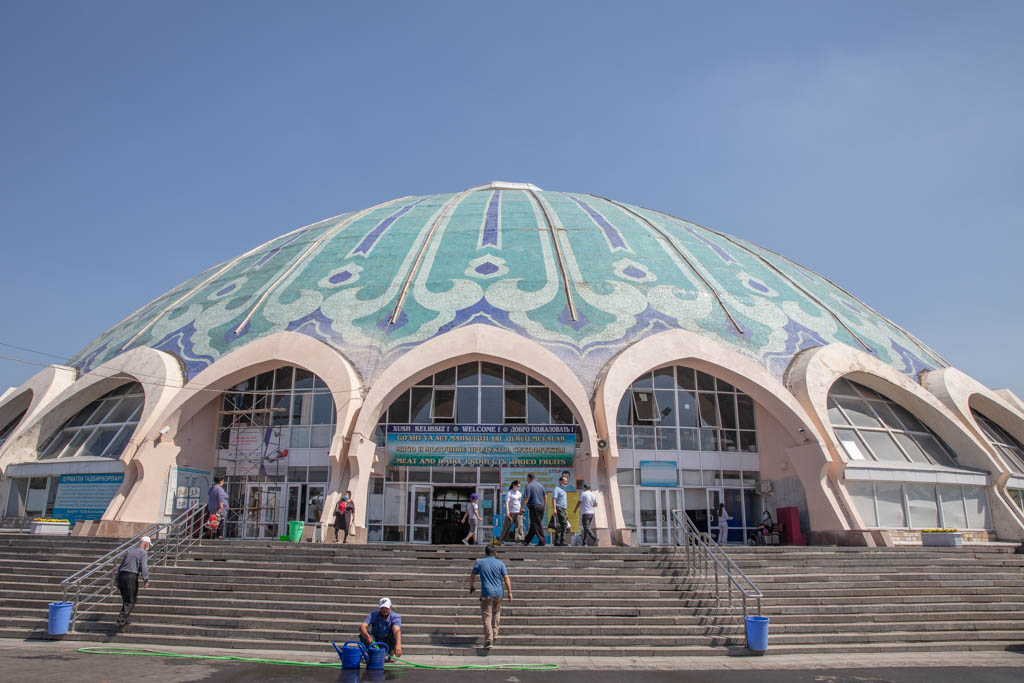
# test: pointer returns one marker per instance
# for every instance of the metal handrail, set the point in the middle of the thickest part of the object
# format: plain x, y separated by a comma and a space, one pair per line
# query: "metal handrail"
704, 556
93, 583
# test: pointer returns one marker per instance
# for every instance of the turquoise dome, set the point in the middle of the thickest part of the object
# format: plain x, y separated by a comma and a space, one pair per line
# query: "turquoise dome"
578, 274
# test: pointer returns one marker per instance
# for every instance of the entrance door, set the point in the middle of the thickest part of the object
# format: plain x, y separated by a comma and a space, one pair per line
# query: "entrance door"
306, 503
264, 504
420, 513
489, 500
656, 506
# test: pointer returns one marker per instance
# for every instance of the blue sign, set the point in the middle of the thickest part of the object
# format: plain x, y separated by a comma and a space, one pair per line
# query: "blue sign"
481, 445
658, 473
85, 496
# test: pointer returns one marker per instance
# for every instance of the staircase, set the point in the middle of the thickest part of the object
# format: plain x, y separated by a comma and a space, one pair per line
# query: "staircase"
569, 601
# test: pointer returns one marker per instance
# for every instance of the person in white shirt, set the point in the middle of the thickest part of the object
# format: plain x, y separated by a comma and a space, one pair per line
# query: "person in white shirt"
586, 504
723, 524
513, 514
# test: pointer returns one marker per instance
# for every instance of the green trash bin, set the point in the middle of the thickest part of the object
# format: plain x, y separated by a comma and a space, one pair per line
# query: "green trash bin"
295, 531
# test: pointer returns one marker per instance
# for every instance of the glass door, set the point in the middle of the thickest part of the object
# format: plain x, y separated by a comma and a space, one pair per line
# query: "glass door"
262, 512
420, 513
648, 506
489, 501
668, 500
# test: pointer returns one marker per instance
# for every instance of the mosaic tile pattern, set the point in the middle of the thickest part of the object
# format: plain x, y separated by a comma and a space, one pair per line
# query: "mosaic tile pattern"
497, 257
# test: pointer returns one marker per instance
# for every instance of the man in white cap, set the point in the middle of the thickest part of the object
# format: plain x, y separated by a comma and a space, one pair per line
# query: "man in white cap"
135, 562
383, 624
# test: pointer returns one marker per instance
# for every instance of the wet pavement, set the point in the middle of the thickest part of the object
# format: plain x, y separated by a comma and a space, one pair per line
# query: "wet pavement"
42, 660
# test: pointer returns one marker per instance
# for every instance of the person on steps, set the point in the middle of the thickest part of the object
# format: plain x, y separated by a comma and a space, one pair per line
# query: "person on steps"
472, 516
586, 504
350, 513
217, 504
534, 501
492, 573
383, 624
561, 503
513, 526
339, 518
134, 564
723, 524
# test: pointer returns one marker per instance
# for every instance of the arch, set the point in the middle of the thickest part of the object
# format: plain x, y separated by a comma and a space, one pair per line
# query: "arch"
159, 373
810, 378
803, 450
962, 394
32, 396
473, 342
267, 353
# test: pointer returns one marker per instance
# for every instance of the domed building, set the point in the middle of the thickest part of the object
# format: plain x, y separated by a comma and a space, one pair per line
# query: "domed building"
421, 350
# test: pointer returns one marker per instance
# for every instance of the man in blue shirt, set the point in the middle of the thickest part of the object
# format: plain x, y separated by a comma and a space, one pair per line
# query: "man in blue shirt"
383, 624
492, 574
533, 499
561, 503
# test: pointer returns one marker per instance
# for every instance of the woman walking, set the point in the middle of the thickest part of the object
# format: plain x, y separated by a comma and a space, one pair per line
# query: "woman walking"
723, 524
472, 515
512, 529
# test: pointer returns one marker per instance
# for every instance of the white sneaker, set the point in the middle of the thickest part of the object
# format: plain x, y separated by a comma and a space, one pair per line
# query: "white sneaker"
465, 542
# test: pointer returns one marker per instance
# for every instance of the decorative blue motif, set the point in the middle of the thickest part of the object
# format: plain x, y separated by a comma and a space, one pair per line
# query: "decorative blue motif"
444, 252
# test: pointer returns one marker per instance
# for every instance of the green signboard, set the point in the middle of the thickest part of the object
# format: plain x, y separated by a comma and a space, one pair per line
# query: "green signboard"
481, 445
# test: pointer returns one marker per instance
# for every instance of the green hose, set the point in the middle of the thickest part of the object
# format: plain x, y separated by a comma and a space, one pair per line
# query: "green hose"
253, 660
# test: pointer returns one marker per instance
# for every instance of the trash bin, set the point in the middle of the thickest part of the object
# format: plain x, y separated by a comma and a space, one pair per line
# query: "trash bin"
60, 617
295, 531
757, 633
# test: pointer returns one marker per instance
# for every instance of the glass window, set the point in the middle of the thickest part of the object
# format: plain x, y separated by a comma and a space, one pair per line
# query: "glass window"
444, 404
708, 410
515, 405
469, 374
664, 378
883, 446
491, 374
643, 438
420, 405
1011, 448
627, 498
537, 412
9, 428
858, 411
468, 398
96, 426
976, 499
870, 426
954, 516
924, 512
652, 400
889, 498
862, 493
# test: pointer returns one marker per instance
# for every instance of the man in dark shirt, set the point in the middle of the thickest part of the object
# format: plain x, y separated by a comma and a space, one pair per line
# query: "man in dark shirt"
135, 562
533, 499
383, 624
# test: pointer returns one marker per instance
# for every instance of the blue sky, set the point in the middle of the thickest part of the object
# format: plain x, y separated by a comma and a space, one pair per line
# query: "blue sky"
879, 143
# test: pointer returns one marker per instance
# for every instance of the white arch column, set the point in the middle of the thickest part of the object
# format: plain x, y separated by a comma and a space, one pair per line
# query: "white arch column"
191, 415
810, 377
961, 394
473, 342
799, 449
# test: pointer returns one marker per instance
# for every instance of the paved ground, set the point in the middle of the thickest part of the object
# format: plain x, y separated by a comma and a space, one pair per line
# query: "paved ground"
43, 660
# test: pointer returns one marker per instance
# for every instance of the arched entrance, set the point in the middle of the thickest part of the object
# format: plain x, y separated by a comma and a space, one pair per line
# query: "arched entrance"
273, 439
471, 428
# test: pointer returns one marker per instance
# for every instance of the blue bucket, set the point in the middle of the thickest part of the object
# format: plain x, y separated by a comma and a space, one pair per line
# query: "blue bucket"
757, 633
351, 654
60, 617
375, 656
